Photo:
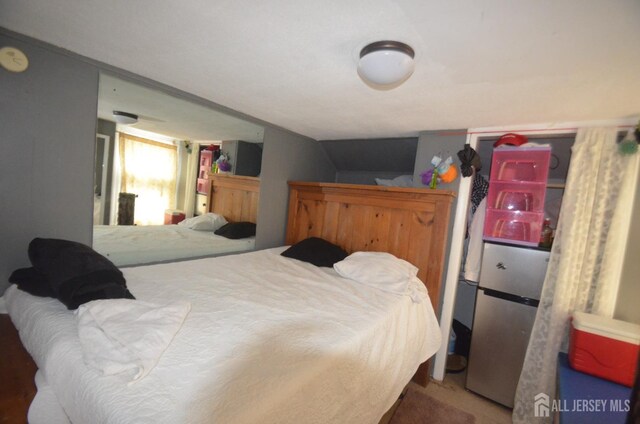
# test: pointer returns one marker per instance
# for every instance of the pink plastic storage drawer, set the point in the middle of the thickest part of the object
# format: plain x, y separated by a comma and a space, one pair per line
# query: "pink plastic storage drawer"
514, 196
206, 158
520, 164
513, 227
203, 186
204, 172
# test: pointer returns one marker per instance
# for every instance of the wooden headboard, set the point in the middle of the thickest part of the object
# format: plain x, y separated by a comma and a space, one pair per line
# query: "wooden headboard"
234, 197
410, 223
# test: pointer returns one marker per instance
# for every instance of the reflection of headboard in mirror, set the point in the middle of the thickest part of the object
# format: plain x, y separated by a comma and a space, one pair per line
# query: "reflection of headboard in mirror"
410, 223
234, 197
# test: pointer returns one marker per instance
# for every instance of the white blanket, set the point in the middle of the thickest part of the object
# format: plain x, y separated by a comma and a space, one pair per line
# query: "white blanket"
45, 408
268, 340
127, 336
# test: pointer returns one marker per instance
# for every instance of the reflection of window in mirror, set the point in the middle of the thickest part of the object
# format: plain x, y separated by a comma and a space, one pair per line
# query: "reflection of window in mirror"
149, 170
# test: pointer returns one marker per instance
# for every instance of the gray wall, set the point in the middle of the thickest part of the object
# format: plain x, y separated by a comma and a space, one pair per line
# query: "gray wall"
442, 143
48, 120
361, 161
230, 148
249, 159
245, 157
627, 307
285, 157
367, 177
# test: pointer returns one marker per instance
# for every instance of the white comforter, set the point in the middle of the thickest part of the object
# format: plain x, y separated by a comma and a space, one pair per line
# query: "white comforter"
268, 340
126, 245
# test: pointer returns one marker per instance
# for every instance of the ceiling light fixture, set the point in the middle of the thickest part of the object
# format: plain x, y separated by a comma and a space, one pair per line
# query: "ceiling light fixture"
386, 64
125, 118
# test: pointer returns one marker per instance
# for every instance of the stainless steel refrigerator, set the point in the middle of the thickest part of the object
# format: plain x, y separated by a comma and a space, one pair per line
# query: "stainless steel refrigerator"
508, 294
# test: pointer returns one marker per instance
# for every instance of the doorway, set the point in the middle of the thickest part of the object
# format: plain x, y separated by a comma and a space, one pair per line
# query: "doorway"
459, 296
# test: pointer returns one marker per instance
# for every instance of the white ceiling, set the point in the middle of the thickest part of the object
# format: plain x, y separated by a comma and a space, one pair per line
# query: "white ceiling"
293, 63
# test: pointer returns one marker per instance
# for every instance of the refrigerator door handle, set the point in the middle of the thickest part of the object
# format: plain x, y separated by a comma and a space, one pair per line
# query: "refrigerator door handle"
511, 297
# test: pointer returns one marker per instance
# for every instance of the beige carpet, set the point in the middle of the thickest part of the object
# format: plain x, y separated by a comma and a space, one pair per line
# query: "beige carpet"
419, 408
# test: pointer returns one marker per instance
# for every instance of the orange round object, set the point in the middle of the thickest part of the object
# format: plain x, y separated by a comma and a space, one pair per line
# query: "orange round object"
450, 175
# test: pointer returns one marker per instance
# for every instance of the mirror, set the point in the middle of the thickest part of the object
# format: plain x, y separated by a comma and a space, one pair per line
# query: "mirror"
163, 166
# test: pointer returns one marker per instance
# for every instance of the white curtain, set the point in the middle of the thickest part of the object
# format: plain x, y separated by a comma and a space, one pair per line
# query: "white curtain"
585, 263
148, 170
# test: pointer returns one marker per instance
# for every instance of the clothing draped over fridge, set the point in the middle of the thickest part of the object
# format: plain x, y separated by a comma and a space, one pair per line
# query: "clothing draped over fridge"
476, 223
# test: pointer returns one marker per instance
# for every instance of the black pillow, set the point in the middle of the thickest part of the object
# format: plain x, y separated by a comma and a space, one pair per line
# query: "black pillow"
72, 272
316, 251
237, 230
32, 281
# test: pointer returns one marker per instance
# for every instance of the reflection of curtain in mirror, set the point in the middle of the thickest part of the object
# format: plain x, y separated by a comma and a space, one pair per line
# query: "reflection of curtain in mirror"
148, 169
116, 179
190, 181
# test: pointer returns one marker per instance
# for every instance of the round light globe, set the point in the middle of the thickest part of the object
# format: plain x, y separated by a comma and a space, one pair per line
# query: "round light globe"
386, 63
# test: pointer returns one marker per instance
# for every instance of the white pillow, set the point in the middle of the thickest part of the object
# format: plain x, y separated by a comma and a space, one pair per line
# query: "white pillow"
207, 222
378, 269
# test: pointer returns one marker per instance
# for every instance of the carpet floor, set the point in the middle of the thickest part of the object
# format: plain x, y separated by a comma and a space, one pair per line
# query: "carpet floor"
418, 408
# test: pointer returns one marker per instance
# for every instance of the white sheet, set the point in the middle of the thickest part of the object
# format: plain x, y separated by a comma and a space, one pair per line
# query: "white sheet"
268, 339
126, 245
127, 336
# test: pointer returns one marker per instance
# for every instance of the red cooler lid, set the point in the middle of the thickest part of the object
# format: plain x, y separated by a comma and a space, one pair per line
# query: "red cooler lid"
511, 139
607, 327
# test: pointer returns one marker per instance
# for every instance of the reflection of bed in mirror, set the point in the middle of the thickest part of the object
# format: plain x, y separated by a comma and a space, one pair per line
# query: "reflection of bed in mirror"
297, 342
233, 197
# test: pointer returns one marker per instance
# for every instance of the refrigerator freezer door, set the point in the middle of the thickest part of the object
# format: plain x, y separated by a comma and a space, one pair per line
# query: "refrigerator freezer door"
501, 331
515, 270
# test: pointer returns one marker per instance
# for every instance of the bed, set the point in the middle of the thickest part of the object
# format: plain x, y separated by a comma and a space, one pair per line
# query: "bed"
267, 338
234, 197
